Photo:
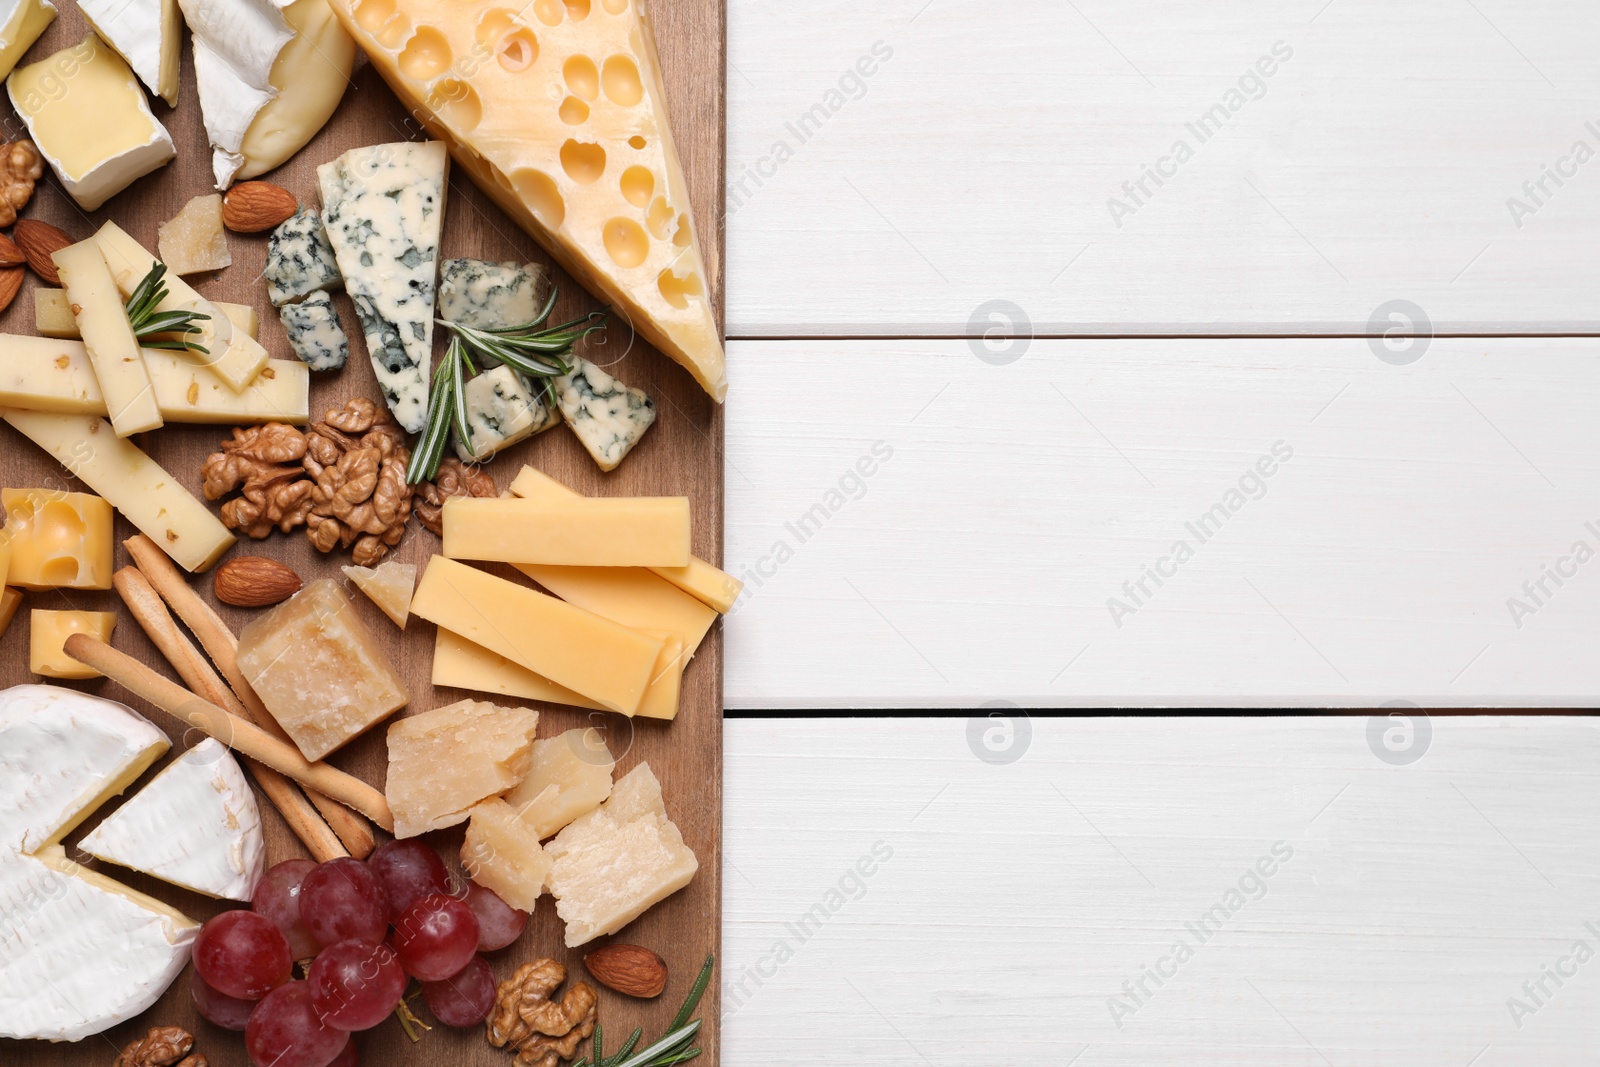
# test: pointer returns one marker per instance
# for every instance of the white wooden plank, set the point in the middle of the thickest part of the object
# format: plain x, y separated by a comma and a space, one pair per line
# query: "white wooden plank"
979, 560
1016, 900
976, 162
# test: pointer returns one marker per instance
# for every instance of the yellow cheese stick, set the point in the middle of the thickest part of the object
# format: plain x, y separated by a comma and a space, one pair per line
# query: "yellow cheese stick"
130, 399
634, 531
52, 315
633, 596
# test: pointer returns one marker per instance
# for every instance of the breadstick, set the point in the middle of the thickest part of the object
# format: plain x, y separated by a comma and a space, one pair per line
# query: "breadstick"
151, 614
228, 728
223, 648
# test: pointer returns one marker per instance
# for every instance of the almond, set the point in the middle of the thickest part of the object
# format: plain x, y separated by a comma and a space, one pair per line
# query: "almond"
251, 207
254, 582
10, 254
10, 284
37, 241
629, 969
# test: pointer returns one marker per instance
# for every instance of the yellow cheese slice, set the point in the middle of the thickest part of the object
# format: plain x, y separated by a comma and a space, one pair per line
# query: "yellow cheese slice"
52, 315
558, 112
632, 596
57, 540
623, 531
10, 601
108, 338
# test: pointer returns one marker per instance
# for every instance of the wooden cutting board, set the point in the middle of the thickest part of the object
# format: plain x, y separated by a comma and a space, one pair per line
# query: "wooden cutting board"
681, 454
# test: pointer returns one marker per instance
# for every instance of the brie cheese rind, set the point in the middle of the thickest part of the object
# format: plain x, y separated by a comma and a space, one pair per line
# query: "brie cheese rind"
310, 74
236, 43
146, 33
195, 825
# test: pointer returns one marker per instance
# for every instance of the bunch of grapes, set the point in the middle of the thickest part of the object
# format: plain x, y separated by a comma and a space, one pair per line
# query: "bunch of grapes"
368, 928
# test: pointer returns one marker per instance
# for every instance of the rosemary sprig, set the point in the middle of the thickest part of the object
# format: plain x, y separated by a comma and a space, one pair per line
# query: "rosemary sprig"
670, 1050
531, 349
147, 322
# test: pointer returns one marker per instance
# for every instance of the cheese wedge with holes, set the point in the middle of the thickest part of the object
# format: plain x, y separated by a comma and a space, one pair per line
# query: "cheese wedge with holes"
57, 540
558, 112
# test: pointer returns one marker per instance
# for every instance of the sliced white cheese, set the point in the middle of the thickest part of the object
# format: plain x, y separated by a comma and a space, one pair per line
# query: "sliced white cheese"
195, 825
21, 23
236, 43
62, 754
146, 33
383, 208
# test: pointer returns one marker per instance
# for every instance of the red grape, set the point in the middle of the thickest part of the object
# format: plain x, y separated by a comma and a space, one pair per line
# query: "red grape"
436, 937
341, 899
350, 1057
465, 999
356, 984
408, 871
277, 896
499, 924
242, 954
284, 1031
230, 1013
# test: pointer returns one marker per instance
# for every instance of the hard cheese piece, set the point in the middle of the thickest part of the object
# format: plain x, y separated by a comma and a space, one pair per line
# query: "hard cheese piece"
572, 647
609, 418
95, 955
131, 481
44, 374
195, 825
48, 632
52, 314
10, 601
314, 332
62, 755
319, 670
21, 23
192, 240
87, 114
108, 338
501, 410
231, 354
569, 776
310, 76
638, 531
612, 864
390, 587
383, 208
235, 45
502, 854
57, 540
633, 596
489, 296
566, 129
147, 34
299, 259
444, 761
699, 579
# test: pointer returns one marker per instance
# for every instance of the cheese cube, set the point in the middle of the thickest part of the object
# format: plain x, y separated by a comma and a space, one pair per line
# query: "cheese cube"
25, 20
314, 332
52, 314
612, 864
58, 540
10, 601
636, 531
444, 761
501, 853
569, 776
389, 587
88, 116
192, 241
502, 409
319, 669
108, 338
47, 637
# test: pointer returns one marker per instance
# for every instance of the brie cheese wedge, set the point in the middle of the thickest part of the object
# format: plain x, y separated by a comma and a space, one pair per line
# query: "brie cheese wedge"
236, 43
147, 34
196, 825
310, 74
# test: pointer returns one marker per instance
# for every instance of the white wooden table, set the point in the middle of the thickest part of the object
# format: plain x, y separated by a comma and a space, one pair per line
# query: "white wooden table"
1226, 353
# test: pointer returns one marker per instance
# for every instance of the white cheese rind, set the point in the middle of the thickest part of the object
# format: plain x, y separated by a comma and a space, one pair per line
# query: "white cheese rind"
608, 416
147, 34
310, 74
195, 825
502, 409
235, 45
314, 332
383, 209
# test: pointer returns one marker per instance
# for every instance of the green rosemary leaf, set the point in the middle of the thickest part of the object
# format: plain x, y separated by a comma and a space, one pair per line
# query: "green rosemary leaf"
681, 1057
668, 1045
627, 1047
458, 386
599, 1047
149, 324
695, 993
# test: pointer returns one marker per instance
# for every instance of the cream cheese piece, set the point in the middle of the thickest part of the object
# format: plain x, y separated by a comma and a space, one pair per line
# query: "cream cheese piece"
236, 43
310, 75
21, 23
195, 825
146, 33
89, 118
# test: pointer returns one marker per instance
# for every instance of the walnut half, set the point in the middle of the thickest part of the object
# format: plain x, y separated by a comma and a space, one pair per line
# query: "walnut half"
20, 166
161, 1046
544, 1031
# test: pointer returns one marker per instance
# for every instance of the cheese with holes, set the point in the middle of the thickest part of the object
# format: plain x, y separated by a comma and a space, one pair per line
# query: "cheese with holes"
57, 540
10, 601
383, 209
21, 23
559, 114
89, 118
52, 315
602, 660
501, 853
612, 864
108, 338
319, 669
699, 579
635, 531
569, 776
47, 637
131, 482
444, 761
633, 596
310, 76
146, 33
389, 587
608, 417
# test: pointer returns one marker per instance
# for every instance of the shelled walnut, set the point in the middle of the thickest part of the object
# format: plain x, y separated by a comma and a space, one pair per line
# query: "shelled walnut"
544, 1031
161, 1046
455, 478
21, 166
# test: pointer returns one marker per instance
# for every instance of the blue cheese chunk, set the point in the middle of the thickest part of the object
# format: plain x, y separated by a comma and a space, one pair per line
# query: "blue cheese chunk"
502, 409
608, 417
299, 259
314, 332
489, 296
383, 208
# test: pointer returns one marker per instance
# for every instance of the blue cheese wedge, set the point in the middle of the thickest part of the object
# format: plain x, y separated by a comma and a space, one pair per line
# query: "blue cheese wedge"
502, 409
489, 296
608, 417
299, 259
383, 208
315, 333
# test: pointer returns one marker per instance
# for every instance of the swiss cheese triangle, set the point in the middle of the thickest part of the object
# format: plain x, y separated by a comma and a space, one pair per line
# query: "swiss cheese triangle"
557, 110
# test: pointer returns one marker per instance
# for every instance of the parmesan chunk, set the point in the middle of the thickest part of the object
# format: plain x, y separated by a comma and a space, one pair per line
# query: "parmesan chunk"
570, 775
444, 761
389, 587
502, 854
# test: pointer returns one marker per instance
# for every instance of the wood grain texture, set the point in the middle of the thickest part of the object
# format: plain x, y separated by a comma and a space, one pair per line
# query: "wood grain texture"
979, 559
1018, 899
977, 163
682, 454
